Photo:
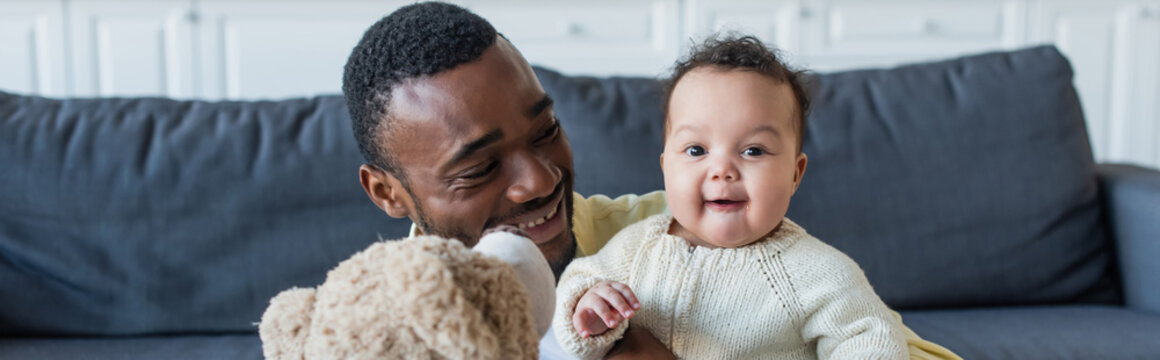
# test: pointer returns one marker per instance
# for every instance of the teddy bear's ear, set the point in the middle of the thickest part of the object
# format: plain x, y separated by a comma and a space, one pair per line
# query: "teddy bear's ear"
286, 324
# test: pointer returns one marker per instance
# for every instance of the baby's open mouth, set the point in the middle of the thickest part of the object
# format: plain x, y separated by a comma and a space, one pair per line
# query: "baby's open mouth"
725, 205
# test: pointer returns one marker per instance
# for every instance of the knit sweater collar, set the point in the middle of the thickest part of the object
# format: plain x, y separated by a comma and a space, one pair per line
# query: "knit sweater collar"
784, 236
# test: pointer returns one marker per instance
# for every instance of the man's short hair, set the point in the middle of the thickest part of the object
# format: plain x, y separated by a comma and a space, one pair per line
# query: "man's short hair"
747, 53
414, 41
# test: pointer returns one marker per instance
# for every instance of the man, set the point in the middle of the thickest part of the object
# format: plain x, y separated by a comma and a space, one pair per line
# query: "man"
460, 137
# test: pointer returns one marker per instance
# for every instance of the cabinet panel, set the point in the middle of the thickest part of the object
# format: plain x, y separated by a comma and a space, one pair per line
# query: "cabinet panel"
866, 22
593, 37
541, 25
132, 48
275, 49
850, 33
1135, 124
775, 23
32, 48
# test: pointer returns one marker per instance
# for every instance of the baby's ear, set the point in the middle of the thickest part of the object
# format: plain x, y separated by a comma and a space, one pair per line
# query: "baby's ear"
286, 324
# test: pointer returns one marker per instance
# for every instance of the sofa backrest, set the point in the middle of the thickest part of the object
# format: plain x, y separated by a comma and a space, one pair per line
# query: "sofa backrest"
132, 216
967, 182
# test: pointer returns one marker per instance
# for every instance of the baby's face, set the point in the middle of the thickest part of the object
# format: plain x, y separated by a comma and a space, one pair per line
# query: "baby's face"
731, 160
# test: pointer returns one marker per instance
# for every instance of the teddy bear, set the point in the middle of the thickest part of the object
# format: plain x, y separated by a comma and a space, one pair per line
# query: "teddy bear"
423, 297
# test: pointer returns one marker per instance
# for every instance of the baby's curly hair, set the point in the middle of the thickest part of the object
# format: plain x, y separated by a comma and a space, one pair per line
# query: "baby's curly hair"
414, 41
747, 53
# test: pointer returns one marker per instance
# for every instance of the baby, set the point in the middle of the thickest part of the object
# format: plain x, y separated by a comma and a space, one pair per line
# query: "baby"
726, 275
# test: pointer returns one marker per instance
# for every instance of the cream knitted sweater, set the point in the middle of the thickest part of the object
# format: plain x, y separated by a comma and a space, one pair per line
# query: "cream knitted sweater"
788, 296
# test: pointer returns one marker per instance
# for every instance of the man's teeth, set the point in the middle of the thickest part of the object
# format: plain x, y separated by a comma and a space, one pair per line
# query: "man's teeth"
539, 221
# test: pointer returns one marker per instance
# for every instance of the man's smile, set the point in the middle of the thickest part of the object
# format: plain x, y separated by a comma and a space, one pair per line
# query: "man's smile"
551, 214
543, 224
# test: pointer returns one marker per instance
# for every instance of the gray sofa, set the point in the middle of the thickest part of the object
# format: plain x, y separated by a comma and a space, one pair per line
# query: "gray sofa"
966, 189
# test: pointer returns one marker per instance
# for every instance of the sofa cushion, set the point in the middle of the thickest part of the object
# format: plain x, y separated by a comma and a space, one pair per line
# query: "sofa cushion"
1047, 332
134, 216
967, 182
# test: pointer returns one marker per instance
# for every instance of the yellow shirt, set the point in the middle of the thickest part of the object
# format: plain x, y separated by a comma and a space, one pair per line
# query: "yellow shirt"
597, 218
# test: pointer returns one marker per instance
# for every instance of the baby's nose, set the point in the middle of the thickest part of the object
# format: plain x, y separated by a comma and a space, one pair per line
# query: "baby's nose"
724, 171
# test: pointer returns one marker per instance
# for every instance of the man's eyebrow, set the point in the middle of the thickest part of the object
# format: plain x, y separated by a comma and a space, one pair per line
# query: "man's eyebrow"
473, 146
539, 106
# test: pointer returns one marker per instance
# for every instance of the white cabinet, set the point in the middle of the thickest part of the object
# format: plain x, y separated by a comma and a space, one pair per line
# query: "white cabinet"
275, 49
828, 35
32, 48
131, 48
777, 23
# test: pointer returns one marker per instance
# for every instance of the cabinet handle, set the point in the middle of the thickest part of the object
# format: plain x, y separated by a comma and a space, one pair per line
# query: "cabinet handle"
575, 29
192, 16
930, 27
805, 13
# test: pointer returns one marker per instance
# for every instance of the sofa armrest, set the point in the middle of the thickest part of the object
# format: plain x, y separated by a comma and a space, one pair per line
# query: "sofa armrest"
1132, 199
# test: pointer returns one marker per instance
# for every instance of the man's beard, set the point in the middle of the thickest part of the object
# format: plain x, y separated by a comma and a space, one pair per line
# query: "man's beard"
558, 266
425, 224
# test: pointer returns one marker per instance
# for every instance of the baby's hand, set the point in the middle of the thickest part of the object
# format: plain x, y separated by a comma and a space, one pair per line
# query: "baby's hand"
602, 307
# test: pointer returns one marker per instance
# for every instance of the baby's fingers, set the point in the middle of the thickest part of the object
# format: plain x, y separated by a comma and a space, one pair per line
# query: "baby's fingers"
615, 299
587, 323
593, 316
627, 293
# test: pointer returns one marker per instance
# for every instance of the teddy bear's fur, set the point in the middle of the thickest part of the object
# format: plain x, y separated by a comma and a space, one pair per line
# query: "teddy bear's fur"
417, 298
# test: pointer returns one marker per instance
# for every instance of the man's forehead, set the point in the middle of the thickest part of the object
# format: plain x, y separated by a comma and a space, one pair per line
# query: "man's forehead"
431, 106
427, 121
498, 81
470, 101
421, 100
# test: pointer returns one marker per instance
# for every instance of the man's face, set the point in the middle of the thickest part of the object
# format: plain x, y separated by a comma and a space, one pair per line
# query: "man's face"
480, 146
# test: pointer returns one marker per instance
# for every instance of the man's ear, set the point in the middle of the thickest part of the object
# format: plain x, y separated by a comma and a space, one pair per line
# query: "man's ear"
800, 169
385, 190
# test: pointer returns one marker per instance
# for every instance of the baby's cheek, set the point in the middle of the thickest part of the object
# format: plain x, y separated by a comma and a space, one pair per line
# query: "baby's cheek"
685, 195
774, 204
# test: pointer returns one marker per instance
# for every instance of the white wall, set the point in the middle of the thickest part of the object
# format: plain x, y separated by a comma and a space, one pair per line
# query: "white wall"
229, 49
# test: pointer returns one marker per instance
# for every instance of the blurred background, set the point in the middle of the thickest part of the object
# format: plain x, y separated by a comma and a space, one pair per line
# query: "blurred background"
265, 49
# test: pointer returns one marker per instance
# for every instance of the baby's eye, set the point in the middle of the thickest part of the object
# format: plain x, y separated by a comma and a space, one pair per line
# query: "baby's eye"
754, 151
695, 150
